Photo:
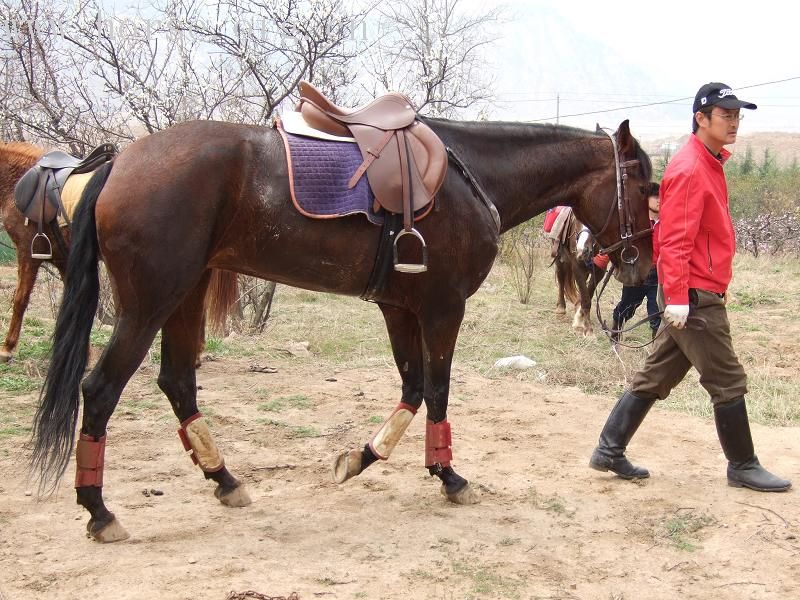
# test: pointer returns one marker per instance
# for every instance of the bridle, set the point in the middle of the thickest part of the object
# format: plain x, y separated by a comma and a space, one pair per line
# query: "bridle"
626, 234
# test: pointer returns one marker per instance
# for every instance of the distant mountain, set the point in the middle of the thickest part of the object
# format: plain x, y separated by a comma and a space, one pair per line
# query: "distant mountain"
540, 56
783, 147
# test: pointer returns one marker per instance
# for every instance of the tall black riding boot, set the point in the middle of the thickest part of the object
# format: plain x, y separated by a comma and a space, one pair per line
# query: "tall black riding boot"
622, 423
744, 470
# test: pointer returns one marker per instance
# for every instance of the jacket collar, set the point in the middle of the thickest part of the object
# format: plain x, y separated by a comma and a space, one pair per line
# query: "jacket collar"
701, 148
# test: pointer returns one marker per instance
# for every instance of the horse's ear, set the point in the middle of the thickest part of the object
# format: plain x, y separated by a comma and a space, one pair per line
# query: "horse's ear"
597, 128
625, 140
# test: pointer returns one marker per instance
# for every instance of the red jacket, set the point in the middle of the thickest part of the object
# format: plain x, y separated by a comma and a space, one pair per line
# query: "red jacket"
696, 237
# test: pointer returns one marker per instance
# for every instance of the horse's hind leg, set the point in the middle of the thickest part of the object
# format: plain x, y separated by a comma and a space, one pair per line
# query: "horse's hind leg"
101, 393
561, 275
179, 338
404, 335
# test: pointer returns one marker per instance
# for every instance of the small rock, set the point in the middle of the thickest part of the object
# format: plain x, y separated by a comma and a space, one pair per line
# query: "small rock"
156, 492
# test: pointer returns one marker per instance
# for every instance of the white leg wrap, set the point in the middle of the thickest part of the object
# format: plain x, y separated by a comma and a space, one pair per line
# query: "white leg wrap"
387, 437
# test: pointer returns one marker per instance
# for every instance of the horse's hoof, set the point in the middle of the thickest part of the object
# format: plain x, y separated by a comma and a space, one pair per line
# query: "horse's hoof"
466, 495
560, 310
347, 464
113, 532
5, 356
236, 498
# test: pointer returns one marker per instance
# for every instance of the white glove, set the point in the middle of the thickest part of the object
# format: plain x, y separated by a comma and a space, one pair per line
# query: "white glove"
676, 315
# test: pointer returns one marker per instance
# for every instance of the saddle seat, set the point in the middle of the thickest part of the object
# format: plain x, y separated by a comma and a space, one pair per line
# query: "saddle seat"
38, 193
404, 160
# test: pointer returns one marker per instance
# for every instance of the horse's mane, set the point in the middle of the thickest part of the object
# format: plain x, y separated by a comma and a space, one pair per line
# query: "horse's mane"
20, 154
538, 132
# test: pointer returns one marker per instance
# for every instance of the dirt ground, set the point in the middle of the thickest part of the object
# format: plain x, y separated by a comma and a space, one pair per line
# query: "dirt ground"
547, 526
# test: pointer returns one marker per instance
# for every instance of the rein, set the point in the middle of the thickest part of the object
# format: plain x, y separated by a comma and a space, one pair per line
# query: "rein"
476, 187
610, 331
692, 322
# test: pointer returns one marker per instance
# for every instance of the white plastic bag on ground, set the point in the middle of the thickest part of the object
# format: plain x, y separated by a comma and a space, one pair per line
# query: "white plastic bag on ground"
515, 362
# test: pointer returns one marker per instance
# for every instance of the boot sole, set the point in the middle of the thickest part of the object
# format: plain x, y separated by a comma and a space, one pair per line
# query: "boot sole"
603, 469
738, 484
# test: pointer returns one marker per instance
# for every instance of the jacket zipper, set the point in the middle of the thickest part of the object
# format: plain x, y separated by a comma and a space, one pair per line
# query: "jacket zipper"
708, 251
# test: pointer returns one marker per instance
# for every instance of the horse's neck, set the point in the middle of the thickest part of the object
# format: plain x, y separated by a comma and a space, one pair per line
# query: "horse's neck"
526, 169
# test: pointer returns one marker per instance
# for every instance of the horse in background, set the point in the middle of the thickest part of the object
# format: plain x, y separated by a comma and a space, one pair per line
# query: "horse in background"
16, 158
578, 271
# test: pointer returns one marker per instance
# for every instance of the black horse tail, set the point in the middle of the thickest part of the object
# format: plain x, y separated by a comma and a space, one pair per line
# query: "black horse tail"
57, 415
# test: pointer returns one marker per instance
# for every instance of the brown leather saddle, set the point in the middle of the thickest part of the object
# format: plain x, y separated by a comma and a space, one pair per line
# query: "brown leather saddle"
38, 193
404, 160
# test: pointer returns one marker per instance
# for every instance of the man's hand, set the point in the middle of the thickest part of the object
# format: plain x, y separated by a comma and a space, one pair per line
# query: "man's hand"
676, 315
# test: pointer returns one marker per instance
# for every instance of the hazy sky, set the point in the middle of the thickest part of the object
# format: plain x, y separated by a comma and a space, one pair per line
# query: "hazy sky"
601, 54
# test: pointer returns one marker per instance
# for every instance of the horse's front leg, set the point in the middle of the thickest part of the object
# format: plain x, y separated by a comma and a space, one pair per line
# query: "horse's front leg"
582, 322
405, 337
179, 339
439, 332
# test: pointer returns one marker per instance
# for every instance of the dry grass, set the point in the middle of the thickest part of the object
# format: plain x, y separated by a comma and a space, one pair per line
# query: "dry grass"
346, 332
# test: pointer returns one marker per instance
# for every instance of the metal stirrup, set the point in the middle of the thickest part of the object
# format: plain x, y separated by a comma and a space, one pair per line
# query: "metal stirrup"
42, 255
411, 267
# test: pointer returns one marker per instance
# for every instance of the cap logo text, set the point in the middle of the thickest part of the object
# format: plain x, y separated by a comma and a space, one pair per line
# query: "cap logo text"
725, 92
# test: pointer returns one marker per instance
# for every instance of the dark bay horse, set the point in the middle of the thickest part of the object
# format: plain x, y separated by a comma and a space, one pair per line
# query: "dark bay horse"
210, 195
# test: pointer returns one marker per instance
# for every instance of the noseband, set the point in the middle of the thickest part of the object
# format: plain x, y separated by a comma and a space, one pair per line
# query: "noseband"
630, 253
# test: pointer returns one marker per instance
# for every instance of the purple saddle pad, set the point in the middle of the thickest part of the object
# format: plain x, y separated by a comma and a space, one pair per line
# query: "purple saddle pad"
320, 171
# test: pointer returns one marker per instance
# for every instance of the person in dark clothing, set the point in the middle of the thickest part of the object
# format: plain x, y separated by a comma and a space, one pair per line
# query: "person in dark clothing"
632, 295
695, 267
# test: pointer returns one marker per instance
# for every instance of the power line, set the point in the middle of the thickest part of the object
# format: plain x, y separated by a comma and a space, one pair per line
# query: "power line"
673, 101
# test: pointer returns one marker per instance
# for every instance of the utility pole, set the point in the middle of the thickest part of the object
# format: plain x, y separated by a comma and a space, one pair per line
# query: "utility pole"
558, 106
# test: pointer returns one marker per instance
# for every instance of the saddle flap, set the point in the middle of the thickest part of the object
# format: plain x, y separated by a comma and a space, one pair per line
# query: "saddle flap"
427, 159
33, 196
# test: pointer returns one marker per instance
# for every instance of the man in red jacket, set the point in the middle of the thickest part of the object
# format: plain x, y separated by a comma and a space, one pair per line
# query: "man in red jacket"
695, 262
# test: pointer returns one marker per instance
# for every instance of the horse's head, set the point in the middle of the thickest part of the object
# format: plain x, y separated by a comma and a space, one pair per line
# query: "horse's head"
615, 207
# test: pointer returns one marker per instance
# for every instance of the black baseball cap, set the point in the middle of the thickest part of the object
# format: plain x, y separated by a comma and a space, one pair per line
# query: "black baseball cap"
718, 94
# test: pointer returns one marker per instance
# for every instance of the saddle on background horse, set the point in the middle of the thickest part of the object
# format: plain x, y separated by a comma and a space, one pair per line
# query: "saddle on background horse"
404, 160
38, 193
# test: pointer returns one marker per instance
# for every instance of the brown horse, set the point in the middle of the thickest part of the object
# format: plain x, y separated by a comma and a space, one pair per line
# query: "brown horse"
206, 195
15, 160
577, 277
